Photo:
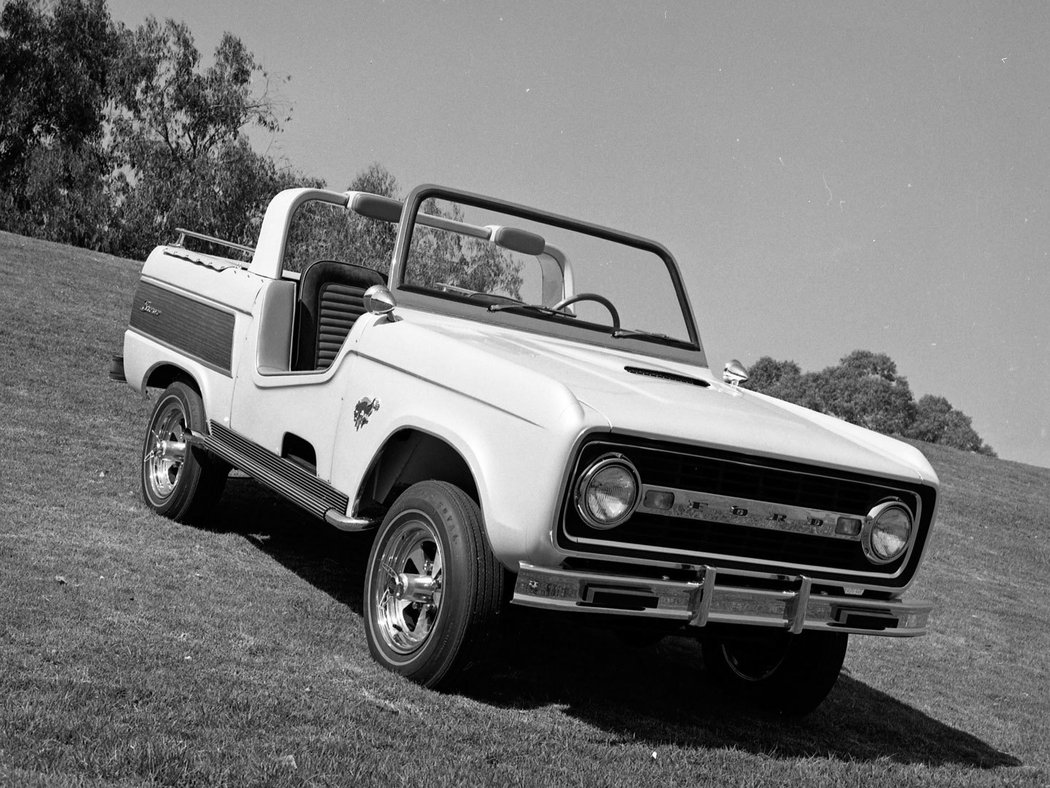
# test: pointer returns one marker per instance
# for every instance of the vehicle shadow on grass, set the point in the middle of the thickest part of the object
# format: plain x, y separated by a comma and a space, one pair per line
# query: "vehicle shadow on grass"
331, 560
656, 693
661, 694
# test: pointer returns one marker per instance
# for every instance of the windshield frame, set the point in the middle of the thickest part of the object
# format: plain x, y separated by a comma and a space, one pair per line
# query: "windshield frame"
690, 351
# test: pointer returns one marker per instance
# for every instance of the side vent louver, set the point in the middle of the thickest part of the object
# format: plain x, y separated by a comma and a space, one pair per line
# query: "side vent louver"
659, 373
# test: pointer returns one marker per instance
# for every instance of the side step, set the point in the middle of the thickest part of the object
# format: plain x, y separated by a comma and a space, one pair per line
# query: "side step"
284, 477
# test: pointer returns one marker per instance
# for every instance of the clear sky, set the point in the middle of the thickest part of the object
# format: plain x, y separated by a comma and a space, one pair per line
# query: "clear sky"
831, 176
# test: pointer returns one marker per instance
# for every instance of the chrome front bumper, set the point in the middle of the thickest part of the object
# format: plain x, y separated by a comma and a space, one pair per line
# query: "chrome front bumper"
702, 602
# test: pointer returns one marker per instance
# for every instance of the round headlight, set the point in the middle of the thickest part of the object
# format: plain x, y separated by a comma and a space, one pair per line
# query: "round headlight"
607, 492
889, 532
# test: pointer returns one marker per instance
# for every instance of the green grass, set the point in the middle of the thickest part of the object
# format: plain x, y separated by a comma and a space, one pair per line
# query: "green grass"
135, 651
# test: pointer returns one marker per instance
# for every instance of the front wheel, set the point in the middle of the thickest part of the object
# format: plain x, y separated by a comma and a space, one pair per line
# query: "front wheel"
178, 481
790, 673
433, 589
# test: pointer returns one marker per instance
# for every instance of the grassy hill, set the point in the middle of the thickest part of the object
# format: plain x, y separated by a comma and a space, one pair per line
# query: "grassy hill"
137, 651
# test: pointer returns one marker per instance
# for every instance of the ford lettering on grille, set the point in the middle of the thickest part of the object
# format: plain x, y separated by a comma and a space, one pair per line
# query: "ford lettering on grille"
710, 507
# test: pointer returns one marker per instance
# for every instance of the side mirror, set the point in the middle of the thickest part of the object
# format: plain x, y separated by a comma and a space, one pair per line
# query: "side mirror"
734, 373
379, 300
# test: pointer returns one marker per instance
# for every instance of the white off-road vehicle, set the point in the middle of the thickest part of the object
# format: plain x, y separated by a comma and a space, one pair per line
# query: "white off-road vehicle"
519, 406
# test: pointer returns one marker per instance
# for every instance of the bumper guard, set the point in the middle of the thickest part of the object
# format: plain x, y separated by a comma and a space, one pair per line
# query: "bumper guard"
702, 602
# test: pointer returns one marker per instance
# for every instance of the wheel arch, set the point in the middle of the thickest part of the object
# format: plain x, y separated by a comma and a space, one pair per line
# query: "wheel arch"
412, 455
163, 374
210, 388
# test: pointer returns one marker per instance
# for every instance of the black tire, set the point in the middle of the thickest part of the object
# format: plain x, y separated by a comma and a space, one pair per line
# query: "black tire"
178, 481
789, 673
433, 589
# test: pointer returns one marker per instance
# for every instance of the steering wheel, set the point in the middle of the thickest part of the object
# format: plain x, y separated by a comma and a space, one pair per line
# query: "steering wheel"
591, 297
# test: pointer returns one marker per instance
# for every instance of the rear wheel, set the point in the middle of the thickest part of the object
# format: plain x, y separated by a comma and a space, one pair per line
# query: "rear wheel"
433, 589
178, 481
790, 673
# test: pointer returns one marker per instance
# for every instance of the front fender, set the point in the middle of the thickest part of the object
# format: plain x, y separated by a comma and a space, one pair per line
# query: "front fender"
517, 461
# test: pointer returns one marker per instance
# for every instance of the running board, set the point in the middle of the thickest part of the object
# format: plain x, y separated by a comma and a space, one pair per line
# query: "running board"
284, 477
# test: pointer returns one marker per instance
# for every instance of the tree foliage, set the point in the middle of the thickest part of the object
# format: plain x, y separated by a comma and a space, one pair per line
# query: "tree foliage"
322, 232
178, 138
936, 421
780, 379
223, 194
439, 257
110, 137
55, 78
64, 198
866, 389
166, 100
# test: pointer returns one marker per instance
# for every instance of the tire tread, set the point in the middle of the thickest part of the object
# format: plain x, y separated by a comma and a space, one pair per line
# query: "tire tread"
460, 642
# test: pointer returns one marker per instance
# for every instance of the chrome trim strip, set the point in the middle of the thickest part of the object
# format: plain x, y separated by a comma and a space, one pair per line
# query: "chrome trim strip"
680, 557
183, 233
702, 602
750, 512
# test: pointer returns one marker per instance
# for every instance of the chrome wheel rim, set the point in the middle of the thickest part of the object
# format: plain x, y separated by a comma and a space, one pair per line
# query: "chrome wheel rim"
407, 591
166, 449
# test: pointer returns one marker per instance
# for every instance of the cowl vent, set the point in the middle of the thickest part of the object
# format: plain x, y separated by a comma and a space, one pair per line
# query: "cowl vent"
659, 373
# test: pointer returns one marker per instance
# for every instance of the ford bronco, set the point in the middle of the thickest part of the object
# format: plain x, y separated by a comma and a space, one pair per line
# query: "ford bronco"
519, 407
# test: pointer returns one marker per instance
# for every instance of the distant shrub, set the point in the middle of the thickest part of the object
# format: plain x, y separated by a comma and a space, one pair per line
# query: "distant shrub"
865, 389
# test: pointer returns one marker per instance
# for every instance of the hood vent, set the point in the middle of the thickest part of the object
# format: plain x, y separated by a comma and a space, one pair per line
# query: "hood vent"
659, 373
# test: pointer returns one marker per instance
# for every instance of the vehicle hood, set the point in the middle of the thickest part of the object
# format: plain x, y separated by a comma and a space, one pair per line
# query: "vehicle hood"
706, 411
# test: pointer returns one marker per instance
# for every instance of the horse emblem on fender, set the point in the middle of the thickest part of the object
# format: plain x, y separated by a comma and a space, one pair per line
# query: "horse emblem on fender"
364, 408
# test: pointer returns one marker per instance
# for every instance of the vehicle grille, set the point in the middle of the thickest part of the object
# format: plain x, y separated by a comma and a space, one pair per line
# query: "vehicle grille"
694, 541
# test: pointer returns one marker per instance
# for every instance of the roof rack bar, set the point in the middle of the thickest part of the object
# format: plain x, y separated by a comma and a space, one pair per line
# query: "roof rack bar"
183, 233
